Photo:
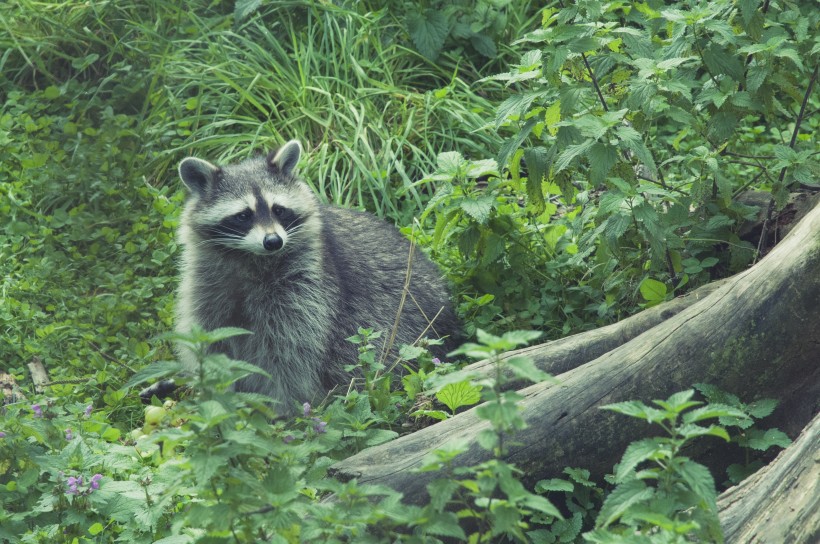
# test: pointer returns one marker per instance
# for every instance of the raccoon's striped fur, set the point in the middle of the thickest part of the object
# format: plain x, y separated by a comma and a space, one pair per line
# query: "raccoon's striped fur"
261, 253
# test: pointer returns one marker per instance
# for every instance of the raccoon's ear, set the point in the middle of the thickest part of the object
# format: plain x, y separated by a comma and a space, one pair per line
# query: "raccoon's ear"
284, 160
197, 174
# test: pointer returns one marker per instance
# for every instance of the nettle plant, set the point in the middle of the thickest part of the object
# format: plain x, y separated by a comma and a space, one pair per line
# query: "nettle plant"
631, 130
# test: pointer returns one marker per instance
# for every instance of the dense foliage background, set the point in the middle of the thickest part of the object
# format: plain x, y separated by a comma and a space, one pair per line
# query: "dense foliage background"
566, 165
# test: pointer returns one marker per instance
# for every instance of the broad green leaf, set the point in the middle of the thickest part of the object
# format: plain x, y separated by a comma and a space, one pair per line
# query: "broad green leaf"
571, 153
711, 411
478, 208
537, 160
428, 30
554, 484
762, 408
653, 290
450, 163
762, 441
456, 395
161, 369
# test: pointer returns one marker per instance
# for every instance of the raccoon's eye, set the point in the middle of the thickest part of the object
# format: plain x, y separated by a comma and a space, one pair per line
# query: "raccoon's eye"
243, 216
277, 210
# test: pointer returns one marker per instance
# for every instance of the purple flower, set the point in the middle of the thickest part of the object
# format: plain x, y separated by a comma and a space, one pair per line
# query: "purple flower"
288, 439
436, 361
95, 482
306, 409
74, 484
38, 411
2, 434
88, 410
69, 435
319, 425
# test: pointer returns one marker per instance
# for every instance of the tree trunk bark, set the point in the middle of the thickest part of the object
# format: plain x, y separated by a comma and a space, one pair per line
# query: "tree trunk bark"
756, 335
781, 502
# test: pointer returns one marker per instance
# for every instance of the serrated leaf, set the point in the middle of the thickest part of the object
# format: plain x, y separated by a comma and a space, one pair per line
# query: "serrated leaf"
554, 484
428, 30
636, 453
712, 411
484, 45
699, 480
456, 395
537, 160
762, 441
602, 157
762, 408
524, 367
570, 153
450, 163
622, 498
637, 409
244, 9
720, 61
478, 208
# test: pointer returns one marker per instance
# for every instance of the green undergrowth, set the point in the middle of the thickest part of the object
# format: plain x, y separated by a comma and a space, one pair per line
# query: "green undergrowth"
566, 165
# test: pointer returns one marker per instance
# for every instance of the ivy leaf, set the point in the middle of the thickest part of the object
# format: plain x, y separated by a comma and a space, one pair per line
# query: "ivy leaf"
428, 30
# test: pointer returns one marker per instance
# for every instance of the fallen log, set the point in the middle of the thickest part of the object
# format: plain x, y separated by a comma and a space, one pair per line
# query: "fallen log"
780, 502
757, 335
562, 355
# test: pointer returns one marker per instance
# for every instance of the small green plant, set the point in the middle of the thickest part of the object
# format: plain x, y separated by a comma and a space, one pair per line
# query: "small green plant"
753, 441
657, 489
490, 496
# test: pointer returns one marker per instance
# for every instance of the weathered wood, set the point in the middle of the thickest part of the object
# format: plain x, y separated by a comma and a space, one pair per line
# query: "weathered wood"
781, 502
39, 375
562, 355
756, 335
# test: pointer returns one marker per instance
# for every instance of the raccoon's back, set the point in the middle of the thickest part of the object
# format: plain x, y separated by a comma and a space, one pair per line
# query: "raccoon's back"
371, 260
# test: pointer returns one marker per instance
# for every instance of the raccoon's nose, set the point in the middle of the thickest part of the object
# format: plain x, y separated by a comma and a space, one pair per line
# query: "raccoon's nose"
273, 242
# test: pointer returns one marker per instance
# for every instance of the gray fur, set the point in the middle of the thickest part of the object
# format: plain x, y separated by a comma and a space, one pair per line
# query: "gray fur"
339, 269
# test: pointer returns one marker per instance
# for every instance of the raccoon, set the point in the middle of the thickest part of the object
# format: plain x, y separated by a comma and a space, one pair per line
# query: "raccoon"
262, 253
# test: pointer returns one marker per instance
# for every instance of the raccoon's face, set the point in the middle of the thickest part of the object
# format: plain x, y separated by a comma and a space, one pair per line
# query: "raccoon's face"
257, 206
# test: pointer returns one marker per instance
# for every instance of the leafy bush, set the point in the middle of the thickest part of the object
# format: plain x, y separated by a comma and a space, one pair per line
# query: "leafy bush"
631, 129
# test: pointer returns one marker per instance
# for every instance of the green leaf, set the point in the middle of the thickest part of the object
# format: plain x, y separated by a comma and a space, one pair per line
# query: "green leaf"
245, 8
653, 290
428, 30
720, 61
524, 367
160, 369
554, 484
456, 395
96, 529
711, 411
699, 480
762, 441
570, 153
602, 157
538, 161
636, 453
478, 208
622, 498
762, 408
